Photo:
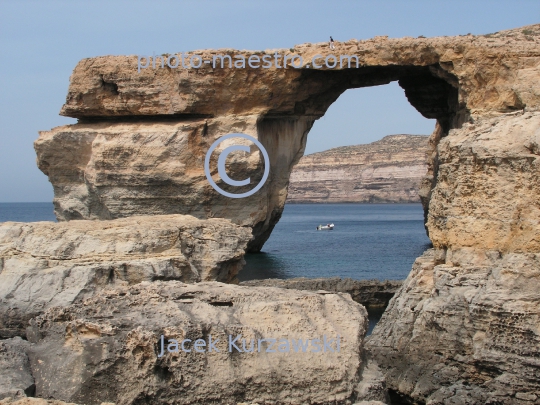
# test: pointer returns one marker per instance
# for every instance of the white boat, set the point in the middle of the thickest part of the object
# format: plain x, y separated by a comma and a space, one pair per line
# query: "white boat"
328, 227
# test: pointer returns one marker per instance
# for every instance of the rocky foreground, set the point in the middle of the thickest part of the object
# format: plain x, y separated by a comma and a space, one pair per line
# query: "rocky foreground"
119, 312
94, 296
389, 171
48, 264
119, 330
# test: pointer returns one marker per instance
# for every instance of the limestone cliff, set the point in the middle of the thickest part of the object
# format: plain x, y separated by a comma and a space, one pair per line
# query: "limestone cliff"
389, 170
465, 322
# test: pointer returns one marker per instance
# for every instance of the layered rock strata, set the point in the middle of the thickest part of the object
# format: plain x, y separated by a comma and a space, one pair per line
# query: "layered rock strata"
369, 293
108, 348
48, 264
389, 170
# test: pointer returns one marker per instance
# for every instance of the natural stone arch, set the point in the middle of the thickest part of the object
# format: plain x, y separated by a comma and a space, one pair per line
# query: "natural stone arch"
279, 106
431, 90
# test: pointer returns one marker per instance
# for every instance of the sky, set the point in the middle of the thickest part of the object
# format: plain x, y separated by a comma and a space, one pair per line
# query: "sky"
41, 42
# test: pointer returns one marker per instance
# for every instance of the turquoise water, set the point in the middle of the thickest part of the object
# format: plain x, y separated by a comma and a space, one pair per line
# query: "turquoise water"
369, 241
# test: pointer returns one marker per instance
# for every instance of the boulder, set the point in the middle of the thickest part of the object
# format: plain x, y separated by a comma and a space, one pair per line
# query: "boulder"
48, 264
16, 379
108, 348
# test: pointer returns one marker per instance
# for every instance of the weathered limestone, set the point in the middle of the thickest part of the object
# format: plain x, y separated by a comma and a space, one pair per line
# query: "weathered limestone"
463, 328
464, 325
47, 264
112, 170
388, 170
106, 348
493, 72
488, 186
465, 322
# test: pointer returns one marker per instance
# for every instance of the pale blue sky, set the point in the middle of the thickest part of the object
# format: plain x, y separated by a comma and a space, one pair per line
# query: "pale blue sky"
42, 41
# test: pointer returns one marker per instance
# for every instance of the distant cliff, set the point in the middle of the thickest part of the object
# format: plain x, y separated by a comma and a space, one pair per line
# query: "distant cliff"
388, 170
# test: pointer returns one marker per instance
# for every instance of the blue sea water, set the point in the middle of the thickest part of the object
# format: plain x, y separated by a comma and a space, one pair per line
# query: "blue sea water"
369, 241
26, 212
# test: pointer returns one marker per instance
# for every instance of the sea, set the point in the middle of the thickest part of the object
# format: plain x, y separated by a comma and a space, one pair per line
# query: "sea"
369, 241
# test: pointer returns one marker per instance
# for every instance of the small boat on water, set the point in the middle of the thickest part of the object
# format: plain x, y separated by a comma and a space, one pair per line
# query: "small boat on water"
328, 227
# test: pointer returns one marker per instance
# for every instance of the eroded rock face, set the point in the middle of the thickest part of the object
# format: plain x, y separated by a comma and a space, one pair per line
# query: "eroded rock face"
464, 326
112, 170
48, 264
491, 73
388, 170
107, 348
488, 186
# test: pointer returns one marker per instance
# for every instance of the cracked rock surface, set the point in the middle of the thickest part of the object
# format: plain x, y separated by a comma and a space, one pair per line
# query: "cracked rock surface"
464, 329
16, 379
107, 348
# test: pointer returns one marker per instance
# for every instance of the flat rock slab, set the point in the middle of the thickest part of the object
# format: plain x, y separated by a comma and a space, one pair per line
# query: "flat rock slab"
370, 293
107, 348
47, 264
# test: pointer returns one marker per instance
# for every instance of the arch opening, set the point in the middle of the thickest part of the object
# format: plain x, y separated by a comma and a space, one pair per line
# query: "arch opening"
397, 236
431, 90
406, 157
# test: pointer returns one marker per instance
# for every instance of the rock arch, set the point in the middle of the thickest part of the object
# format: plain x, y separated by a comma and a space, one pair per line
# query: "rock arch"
138, 149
